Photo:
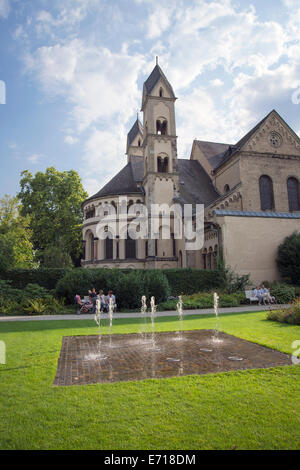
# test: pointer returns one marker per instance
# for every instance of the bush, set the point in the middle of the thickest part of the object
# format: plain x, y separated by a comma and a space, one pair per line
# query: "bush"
128, 287
282, 292
287, 315
190, 280
155, 283
288, 259
204, 300
44, 277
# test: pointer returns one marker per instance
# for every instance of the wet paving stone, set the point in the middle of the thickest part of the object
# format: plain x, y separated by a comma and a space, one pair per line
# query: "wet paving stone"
93, 359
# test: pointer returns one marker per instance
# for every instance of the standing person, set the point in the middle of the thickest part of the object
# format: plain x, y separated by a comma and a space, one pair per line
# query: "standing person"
109, 295
265, 293
93, 299
102, 300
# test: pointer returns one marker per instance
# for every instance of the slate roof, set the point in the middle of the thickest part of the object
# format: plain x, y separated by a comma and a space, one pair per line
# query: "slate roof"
194, 183
125, 182
275, 215
136, 128
213, 151
195, 186
153, 78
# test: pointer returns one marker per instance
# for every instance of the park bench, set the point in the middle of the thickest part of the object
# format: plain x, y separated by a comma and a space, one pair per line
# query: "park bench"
250, 296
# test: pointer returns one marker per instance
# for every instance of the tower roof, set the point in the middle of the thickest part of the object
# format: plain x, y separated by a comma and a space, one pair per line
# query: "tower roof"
154, 77
134, 131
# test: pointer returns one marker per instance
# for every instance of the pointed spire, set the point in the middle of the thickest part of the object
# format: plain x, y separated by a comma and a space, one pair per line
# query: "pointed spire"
157, 60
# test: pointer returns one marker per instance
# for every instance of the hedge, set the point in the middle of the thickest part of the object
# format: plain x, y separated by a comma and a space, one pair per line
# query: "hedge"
189, 280
44, 277
168, 281
128, 287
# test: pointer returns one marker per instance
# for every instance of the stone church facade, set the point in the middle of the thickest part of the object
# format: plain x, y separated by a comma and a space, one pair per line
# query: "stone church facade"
250, 192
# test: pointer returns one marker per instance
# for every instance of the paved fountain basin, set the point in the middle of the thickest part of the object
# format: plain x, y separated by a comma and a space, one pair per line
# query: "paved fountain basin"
132, 357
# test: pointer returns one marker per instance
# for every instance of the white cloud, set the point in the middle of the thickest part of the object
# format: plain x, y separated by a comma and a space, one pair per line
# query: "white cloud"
101, 89
158, 22
35, 158
70, 140
4, 8
216, 82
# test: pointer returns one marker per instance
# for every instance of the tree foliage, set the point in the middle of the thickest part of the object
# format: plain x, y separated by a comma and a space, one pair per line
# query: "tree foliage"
16, 250
53, 201
288, 258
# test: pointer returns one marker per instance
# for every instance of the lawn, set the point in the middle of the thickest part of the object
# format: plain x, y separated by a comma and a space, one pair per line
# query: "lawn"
254, 409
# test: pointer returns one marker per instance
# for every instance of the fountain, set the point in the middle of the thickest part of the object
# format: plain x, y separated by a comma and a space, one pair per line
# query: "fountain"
180, 313
143, 312
97, 319
153, 311
110, 313
216, 338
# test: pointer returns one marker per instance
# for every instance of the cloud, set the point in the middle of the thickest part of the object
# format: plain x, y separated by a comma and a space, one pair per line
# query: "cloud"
4, 8
35, 158
70, 140
102, 92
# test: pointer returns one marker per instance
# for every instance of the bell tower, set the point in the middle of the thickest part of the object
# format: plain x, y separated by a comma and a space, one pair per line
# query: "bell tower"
160, 146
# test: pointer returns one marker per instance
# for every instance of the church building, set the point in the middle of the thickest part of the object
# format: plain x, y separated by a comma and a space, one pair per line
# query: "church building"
250, 192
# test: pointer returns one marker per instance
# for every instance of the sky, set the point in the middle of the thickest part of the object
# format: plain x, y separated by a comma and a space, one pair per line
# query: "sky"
72, 73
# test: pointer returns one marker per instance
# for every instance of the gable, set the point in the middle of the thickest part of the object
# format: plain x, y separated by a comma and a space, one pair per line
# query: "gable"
271, 135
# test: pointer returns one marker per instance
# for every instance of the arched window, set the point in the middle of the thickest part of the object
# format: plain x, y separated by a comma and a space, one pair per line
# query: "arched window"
91, 243
162, 164
293, 194
130, 248
173, 244
109, 246
226, 188
139, 143
161, 127
90, 213
266, 193
161, 92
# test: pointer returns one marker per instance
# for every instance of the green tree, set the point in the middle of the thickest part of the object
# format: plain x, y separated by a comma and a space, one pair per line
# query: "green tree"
288, 259
56, 257
53, 201
16, 250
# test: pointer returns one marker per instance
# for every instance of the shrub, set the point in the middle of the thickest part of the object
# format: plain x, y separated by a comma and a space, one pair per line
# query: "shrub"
282, 292
155, 283
34, 306
44, 277
128, 287
288, 258
286, 315
190, 280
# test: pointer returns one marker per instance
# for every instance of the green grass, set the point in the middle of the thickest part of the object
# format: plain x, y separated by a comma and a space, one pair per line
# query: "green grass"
254, 409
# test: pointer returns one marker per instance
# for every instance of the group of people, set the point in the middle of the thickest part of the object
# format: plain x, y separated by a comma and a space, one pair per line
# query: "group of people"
89, 305
264, 296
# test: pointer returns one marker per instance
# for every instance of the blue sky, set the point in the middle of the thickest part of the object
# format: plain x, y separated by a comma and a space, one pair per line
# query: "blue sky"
74, 71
